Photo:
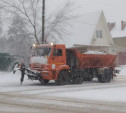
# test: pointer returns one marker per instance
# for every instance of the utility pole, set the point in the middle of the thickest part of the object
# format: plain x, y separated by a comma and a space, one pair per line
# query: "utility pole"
43, 21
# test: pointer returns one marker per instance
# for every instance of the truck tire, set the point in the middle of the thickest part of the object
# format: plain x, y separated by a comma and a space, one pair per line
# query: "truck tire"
92, 73
106, 77
62, 78
100, 78
40, 80
44, 81
77, 80
90, 78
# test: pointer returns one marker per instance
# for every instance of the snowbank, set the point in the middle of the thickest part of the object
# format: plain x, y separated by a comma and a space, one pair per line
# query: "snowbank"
9, 78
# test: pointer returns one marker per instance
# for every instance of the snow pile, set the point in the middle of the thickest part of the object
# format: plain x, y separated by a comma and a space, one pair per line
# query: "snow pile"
9, 78
94, 52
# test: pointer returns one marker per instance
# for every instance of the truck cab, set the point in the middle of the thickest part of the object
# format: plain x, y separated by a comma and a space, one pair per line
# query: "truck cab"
49, 60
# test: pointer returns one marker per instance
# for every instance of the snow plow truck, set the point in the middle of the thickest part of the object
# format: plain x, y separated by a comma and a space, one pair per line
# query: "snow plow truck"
64, 66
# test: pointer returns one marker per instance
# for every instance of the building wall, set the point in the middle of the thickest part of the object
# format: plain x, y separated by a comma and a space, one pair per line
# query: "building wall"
120, 42
120, 45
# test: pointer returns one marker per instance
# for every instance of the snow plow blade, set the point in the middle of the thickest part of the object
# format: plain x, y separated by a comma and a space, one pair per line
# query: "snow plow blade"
33, 75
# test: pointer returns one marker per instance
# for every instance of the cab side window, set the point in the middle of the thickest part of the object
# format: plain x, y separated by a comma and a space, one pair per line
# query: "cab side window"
57, 52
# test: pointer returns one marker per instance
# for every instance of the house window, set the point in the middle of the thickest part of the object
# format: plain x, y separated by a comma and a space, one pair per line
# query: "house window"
99, 34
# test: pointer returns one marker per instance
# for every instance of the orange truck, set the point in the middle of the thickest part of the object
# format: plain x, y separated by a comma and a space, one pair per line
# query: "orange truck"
64, 66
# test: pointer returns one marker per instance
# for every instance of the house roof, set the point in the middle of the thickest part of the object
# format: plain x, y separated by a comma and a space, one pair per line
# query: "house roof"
83, 28
117, 32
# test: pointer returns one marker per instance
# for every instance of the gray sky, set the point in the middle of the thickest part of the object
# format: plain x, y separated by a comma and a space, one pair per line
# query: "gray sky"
114, 9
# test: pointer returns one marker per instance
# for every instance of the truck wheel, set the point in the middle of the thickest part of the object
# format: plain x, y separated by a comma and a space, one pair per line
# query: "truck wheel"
46, 81
88, 79
106, 77
41, 80
91, 75
78, 80
85, 79
100, 78
62, 78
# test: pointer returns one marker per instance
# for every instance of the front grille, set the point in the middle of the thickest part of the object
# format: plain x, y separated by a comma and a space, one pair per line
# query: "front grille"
36, 67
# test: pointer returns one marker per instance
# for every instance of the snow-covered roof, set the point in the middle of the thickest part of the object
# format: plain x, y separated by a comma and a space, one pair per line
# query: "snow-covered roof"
83, 28
117, 32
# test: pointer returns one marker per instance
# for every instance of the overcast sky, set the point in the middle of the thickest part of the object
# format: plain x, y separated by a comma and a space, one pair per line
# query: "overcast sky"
114, 9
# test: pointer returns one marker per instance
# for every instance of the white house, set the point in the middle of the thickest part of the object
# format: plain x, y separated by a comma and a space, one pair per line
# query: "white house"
91, 29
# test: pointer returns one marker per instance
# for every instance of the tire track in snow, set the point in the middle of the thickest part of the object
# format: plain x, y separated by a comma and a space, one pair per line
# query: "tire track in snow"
67, 89
59, 103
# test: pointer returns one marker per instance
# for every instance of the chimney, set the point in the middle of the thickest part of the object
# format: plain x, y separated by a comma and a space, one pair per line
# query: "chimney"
123, 25
111, 26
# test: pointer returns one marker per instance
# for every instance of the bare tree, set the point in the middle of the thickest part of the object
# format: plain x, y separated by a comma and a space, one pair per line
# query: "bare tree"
29, 10
58, 23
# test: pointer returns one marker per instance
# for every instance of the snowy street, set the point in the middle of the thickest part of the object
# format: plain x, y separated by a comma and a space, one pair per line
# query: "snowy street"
89, 97
62, 56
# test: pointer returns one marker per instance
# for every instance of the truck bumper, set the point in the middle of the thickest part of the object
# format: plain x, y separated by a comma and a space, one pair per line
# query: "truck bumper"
45, 75
48, 75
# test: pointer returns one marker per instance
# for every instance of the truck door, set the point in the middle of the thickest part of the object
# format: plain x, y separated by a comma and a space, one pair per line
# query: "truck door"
58, 57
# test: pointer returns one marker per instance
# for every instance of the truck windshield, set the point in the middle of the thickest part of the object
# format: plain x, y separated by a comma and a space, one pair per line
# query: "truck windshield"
43, 51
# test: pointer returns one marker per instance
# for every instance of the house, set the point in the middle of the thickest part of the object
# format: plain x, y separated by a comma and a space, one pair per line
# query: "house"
92, 30
118, 31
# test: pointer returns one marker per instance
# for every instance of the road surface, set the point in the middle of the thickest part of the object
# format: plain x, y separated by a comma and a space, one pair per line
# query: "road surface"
33, 97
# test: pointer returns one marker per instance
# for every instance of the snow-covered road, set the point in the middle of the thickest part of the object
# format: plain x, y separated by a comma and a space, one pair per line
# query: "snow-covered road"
89, 97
